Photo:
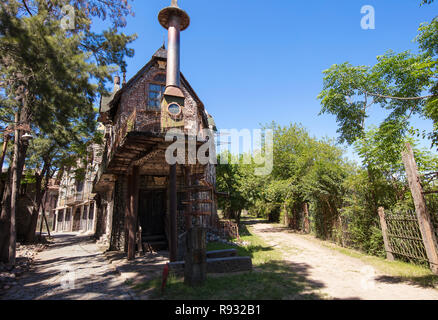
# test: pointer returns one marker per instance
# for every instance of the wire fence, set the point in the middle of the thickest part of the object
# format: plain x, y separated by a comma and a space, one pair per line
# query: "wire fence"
404, 236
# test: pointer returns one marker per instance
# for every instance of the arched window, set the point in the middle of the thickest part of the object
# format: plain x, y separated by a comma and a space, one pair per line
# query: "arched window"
155, 92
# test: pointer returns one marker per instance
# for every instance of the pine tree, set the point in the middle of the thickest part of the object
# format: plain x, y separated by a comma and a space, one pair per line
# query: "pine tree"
51, 76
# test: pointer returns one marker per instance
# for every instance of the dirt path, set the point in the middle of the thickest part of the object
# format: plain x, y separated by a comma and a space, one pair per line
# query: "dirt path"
341, 276
72, 268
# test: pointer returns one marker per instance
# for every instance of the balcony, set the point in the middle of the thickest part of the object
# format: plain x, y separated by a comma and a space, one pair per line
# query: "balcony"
76, 198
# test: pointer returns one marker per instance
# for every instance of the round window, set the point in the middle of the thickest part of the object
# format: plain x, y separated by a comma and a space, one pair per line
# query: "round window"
174, 109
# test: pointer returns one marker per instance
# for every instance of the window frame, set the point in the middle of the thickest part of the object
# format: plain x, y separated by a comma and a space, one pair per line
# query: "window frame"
148, 100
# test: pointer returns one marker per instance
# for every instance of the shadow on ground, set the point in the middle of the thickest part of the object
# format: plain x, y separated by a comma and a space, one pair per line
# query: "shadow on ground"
276, 280
52, 278
427, 281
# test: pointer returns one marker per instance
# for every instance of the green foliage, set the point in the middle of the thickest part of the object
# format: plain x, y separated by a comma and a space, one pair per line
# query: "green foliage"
55, 76
397, 83
52, 77
404, 84
229, 181
343, 197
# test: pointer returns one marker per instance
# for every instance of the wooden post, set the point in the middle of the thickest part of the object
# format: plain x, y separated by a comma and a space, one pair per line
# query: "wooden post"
306, 218
384, 227
195, 266
47, 224
139, 240
173, 246
424, 221
188, 213
131, 211
41, 227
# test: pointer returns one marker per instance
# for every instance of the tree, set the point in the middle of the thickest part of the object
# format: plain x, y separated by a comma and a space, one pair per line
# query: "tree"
404, 83
51, 77
228, 180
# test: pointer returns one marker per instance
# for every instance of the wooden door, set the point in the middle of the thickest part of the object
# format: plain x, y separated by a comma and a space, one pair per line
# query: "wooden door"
152, 211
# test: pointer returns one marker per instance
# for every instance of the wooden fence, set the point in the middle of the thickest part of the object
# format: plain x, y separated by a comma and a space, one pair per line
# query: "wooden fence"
403, 237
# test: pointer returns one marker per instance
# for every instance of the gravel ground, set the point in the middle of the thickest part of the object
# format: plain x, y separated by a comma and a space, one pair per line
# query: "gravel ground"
71, 268
339, 276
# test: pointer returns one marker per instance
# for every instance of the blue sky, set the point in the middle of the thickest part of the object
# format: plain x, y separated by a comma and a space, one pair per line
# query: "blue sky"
254, 61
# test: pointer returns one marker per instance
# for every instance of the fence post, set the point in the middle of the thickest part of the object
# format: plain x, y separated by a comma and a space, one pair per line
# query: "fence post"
388, 250
286, 219
306, 218
424, 221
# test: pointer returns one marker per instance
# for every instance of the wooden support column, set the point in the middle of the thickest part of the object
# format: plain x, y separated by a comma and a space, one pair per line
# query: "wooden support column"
173, 246
195, 266
131, 211
424, 221
384, 227
188, 213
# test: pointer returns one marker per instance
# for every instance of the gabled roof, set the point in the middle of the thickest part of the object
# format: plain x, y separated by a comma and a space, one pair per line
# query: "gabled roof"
105, 102
161, 53
109, 104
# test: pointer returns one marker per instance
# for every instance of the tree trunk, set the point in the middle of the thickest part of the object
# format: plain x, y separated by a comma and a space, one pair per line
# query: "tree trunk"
423, 215
14, 187
5, 148
238, 217
19, 158
5, 221
39, 195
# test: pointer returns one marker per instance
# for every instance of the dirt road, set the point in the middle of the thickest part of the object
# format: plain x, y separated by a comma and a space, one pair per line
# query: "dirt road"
340, 276
72, 268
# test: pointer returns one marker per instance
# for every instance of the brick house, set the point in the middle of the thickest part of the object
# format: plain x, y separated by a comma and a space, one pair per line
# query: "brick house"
134, 180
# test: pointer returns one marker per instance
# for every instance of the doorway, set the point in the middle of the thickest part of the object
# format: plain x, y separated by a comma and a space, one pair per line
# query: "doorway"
152, 212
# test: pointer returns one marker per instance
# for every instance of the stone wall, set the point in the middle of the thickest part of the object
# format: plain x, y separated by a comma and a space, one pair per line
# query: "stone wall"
136, 98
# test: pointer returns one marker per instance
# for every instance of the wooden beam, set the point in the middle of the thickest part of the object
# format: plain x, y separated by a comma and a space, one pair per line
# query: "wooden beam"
188, 211
133, 185
424, 221
173, 215
384, 227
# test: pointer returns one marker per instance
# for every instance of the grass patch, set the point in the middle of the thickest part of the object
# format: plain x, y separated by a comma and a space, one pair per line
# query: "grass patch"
272, 278
260, 252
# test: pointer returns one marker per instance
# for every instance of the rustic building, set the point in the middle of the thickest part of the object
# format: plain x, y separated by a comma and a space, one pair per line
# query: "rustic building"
134, 182
76, 209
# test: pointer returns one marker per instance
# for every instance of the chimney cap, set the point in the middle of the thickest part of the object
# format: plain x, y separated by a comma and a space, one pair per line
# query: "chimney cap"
174, 10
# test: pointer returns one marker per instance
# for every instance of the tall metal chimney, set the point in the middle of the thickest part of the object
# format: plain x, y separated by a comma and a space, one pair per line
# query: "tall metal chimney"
174, 20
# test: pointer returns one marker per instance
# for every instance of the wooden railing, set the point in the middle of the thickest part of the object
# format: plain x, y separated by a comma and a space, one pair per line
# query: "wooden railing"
121, 133
116, 138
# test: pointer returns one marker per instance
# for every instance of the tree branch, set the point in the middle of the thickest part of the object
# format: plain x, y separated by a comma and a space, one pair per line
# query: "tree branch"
27, 8
401, 98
